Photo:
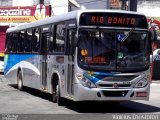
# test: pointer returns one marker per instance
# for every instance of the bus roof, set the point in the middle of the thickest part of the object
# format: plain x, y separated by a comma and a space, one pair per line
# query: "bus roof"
63, 17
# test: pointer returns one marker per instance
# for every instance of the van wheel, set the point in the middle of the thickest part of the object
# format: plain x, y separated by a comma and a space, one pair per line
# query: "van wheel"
20, 81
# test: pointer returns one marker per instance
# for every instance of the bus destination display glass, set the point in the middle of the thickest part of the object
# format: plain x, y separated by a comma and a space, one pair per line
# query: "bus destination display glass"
113, 20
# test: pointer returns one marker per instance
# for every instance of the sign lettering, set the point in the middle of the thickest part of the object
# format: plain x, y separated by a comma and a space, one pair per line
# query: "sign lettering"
100, 60
23, 14
15, 12
114, 20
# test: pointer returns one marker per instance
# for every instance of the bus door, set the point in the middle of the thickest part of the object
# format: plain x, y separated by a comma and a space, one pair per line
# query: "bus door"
70, 62
43, 63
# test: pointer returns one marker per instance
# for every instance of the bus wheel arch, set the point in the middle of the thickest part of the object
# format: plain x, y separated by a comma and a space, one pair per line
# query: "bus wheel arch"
19, 79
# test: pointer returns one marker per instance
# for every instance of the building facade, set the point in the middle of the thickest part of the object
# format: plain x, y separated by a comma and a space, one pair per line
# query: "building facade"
6, 2
14, 12
151, 9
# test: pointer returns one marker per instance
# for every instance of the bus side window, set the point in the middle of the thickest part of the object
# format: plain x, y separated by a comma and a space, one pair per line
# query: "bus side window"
28, 41
71, 41
35, 41
8, 42
14, 42
60, 38
51, 40
18, 42
21, 41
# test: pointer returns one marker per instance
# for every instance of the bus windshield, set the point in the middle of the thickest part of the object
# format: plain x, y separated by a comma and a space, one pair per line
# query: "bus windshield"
113, 50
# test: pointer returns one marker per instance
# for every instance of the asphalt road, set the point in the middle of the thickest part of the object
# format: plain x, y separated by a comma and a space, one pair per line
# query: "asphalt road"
30, 101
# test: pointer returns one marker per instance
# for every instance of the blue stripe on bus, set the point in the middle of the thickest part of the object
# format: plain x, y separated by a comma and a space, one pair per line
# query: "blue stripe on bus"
12, 59
97, 76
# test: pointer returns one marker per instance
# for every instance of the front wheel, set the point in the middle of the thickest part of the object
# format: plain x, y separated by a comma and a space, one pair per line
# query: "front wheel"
56, 97
54, 94
60, 100
20, 81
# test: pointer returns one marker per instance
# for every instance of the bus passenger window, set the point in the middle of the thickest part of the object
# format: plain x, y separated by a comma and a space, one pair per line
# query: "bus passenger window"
28, 41
51, 44
35, 41
8, 43
51, 40
21, 41
60, 38
14, 44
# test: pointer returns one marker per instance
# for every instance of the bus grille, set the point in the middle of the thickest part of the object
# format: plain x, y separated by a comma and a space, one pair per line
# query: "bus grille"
111, 85
114, 93
120, 78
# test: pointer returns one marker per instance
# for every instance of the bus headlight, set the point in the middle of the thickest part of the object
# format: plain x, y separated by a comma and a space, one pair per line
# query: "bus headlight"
85, 82
142, 83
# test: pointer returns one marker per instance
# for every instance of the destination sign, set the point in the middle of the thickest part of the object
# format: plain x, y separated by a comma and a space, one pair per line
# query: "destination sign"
114, 20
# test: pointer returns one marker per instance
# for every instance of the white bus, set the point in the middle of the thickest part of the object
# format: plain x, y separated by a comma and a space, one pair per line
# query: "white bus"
84, 55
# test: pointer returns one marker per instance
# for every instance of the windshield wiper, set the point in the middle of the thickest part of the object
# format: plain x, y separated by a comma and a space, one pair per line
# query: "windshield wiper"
124, 39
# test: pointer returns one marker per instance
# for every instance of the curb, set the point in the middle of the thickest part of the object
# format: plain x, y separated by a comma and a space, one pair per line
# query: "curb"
155, 81
155, 84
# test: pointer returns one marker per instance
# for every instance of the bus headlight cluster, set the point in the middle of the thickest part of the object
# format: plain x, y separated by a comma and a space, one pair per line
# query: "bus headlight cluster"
142, 83
85, 82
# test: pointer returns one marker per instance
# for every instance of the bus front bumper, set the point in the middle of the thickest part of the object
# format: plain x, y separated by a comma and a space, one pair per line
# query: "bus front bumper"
82, 93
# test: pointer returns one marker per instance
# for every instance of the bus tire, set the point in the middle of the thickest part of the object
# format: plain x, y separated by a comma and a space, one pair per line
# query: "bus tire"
19, 81
54, 88
54, 95
60, 100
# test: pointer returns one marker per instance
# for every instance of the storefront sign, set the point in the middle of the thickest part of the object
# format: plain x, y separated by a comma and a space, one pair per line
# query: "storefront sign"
115, 3
154, 24
23, 14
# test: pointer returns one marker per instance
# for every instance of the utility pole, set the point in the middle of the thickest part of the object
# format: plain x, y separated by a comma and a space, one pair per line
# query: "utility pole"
132, 4
108, 5
124, 5
41, 1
